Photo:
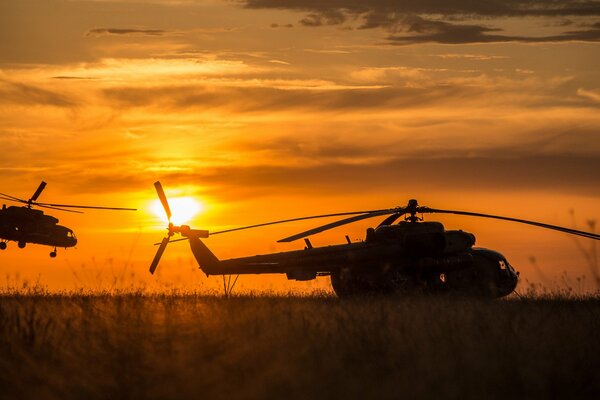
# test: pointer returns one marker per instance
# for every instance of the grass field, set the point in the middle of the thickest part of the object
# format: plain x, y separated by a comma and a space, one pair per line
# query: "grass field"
260, 346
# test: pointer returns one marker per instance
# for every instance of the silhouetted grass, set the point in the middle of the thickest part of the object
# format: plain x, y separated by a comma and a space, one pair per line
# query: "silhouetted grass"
259, 346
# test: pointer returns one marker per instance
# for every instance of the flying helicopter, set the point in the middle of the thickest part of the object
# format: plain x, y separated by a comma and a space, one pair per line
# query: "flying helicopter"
27, 225
411, 256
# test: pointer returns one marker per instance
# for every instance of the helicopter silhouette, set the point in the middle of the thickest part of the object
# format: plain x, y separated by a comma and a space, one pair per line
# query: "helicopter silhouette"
27, 225
410, 256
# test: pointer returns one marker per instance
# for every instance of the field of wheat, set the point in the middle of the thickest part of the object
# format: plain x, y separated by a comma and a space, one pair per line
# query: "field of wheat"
82, 346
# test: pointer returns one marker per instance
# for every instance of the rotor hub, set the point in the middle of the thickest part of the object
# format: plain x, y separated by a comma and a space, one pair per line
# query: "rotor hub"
412, 208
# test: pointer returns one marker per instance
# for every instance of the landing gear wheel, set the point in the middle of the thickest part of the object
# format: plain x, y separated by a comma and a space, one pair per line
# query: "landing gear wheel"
21, 245
53, 253
2, 245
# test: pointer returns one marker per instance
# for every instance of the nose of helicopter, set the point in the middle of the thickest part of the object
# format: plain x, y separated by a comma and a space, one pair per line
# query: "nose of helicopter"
71, 239
508, 281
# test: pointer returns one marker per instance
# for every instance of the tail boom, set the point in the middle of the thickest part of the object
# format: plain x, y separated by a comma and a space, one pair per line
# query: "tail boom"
208, 262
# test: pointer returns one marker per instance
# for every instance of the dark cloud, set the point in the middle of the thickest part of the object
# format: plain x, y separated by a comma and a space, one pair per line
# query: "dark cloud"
364, 149
119, 31
415, 16
326, 17
65, 77
327, 148
560, 174
492, 8
444, 32
20, 93
562, 22
552, 174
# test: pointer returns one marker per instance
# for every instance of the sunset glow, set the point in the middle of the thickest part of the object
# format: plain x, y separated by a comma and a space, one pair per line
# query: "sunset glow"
183, 209
267, 110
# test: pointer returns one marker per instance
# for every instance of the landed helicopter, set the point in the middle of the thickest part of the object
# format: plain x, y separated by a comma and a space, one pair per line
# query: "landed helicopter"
410, 256
28, 225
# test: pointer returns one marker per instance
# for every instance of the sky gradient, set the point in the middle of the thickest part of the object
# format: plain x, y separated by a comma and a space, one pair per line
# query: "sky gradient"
264, 109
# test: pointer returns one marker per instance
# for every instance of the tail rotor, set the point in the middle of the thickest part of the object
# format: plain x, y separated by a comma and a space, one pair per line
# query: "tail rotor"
163, 199
184, 230
165, 241
159, 253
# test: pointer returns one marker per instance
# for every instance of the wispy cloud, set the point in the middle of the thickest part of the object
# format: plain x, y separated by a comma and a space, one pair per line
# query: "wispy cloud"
124, 31
269, 99
590, 94
474, 57
28, 94
375, 90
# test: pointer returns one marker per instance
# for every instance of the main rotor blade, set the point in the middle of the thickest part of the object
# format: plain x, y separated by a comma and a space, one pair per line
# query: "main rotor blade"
340, 223
522, 221
60, 209
159, 254
163, 199
292, 220
38, 192
56, 206
12, 198
88, 207
391, 219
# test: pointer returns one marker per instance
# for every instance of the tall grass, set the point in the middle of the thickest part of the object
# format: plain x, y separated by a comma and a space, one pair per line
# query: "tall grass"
588, 249
261, 346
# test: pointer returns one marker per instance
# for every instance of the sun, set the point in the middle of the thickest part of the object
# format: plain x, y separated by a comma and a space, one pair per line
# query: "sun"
183, 209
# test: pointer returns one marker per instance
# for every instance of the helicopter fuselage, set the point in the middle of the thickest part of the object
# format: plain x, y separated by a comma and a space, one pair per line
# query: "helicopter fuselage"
410, 256
25, 225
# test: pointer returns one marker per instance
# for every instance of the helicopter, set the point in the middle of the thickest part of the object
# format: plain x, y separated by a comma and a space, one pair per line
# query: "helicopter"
409, 257
27, 225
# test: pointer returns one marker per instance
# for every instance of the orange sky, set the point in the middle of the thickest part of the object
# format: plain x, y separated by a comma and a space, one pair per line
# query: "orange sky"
266, 109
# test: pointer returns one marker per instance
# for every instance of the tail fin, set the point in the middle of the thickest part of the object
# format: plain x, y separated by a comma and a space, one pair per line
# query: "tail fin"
208, 262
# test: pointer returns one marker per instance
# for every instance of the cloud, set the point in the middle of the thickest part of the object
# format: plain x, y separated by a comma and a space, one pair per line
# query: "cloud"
128, 32
412, 76
502, 172
474, 57
269, 99
492, 8
590, 94
439, 140
279, 62
425, 31
434, 20
326, 17
374, 90
66, 77
558, 174
27, 94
